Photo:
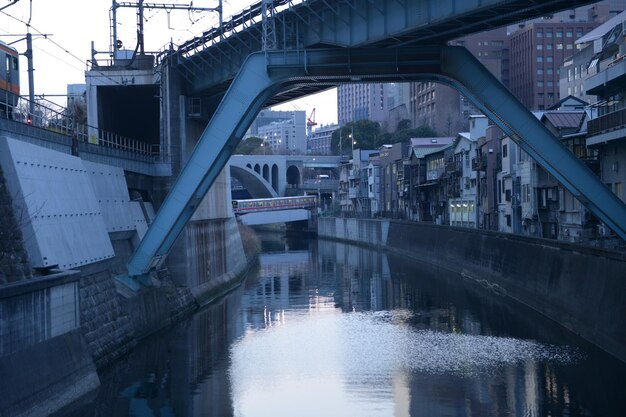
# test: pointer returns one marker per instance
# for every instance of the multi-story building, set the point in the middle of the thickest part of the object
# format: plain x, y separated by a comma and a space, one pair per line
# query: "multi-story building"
268, 116
463, 210
392, 178
607, 80
442, 107
286, 136
537, 51
354, 183
574, 71
373, 183
319, 143
362, 102
487, 164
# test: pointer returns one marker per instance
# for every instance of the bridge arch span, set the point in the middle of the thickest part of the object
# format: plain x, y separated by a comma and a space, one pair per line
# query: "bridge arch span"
257, 186
294, 179
275, 177
257, 168
266, 172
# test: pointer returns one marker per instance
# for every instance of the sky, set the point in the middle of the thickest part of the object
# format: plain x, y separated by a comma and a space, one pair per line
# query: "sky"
71, 25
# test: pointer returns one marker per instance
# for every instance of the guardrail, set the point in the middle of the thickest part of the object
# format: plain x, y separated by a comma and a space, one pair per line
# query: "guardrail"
607, 122
61, 120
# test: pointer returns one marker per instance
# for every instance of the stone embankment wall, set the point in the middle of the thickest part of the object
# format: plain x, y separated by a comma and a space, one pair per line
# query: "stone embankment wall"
582, 288
14, 265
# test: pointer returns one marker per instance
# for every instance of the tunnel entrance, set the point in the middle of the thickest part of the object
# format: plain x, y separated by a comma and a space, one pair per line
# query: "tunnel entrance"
130, 111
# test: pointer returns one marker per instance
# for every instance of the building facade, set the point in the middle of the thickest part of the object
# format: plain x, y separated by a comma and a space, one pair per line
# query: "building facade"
286, 136
537, 52
362, 102
319, 143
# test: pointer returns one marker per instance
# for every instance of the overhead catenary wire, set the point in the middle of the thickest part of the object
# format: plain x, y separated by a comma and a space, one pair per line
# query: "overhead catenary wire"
48, 38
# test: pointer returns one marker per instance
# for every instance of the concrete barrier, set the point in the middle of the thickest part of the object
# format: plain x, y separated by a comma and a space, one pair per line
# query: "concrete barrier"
582, 288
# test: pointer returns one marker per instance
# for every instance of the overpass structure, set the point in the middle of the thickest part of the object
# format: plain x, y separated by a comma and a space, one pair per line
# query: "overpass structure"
275, 210
279, 50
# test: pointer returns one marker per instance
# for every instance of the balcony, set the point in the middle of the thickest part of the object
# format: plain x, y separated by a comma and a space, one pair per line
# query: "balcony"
609, 81
454, 167
606, 127
354, 192
434, 174
479, 164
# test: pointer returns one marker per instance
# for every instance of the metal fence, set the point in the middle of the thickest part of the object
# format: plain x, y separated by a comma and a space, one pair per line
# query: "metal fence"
57, 119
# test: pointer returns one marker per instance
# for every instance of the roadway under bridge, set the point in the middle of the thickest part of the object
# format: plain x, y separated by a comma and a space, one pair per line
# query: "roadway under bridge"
314, 45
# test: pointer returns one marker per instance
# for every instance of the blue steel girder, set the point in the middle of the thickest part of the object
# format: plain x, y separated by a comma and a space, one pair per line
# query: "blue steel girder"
360, 23
265, 74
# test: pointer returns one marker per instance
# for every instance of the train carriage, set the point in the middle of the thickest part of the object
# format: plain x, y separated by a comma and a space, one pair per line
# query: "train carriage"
266, 204
9, 79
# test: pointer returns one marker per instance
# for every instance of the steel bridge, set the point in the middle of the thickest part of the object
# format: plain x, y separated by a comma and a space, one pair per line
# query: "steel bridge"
279, 50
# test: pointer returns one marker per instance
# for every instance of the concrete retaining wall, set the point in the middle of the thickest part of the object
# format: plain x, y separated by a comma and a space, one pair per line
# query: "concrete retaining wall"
44, 359
579, 287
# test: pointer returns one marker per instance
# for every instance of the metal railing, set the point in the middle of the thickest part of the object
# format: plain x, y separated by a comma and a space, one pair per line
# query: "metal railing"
611, 121
57, 119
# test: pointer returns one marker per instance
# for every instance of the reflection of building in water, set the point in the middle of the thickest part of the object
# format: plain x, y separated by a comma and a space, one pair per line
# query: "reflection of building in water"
195, 361
286, 280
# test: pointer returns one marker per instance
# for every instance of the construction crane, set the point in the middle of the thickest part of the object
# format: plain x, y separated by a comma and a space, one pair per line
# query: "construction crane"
310, 122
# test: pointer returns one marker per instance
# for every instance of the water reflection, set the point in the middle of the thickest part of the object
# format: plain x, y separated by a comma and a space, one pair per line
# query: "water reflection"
334, 330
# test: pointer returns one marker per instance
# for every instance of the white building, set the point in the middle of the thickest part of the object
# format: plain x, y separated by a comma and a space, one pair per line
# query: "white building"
287, 136
463, 209
320, 140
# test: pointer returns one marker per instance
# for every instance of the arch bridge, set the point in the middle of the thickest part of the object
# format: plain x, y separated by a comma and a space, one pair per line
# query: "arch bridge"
276, 175
306, 47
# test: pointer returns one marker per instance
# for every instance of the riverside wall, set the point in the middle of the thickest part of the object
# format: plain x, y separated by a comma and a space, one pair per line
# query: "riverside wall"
59, 327
582, 288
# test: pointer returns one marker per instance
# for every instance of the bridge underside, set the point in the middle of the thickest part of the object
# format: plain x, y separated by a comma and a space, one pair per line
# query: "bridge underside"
263, 75
209, 62
272, 217
256, 186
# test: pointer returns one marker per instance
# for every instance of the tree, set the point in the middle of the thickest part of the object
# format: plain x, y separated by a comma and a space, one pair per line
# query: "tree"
403, 124
405, 135
252, 145
366, 135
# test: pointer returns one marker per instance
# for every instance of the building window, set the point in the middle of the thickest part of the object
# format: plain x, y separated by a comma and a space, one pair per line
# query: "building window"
569, 46
505, 151
559, 46
550, 83
559, 33
539, 59
549, 47
539, 34
579, 34
569, 34
549, 59
539, 71
549, 35
540, 84
549, 71
617, 189
539, 47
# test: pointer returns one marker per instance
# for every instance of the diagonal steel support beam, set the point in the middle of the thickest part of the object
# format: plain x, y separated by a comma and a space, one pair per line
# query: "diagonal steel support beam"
469, 76
264, 75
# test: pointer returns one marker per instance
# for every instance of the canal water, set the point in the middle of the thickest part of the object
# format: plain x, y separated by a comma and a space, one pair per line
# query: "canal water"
326, 329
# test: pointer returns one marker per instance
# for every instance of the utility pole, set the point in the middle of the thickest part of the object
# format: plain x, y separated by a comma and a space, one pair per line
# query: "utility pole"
141, 6
31, 77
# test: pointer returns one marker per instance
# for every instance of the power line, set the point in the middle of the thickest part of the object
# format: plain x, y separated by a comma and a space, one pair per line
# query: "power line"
46, 36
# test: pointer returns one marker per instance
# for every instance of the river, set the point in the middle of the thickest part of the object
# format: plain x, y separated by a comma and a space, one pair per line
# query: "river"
327, 329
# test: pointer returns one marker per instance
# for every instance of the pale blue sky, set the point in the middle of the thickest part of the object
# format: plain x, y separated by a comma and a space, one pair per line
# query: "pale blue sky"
73, 24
